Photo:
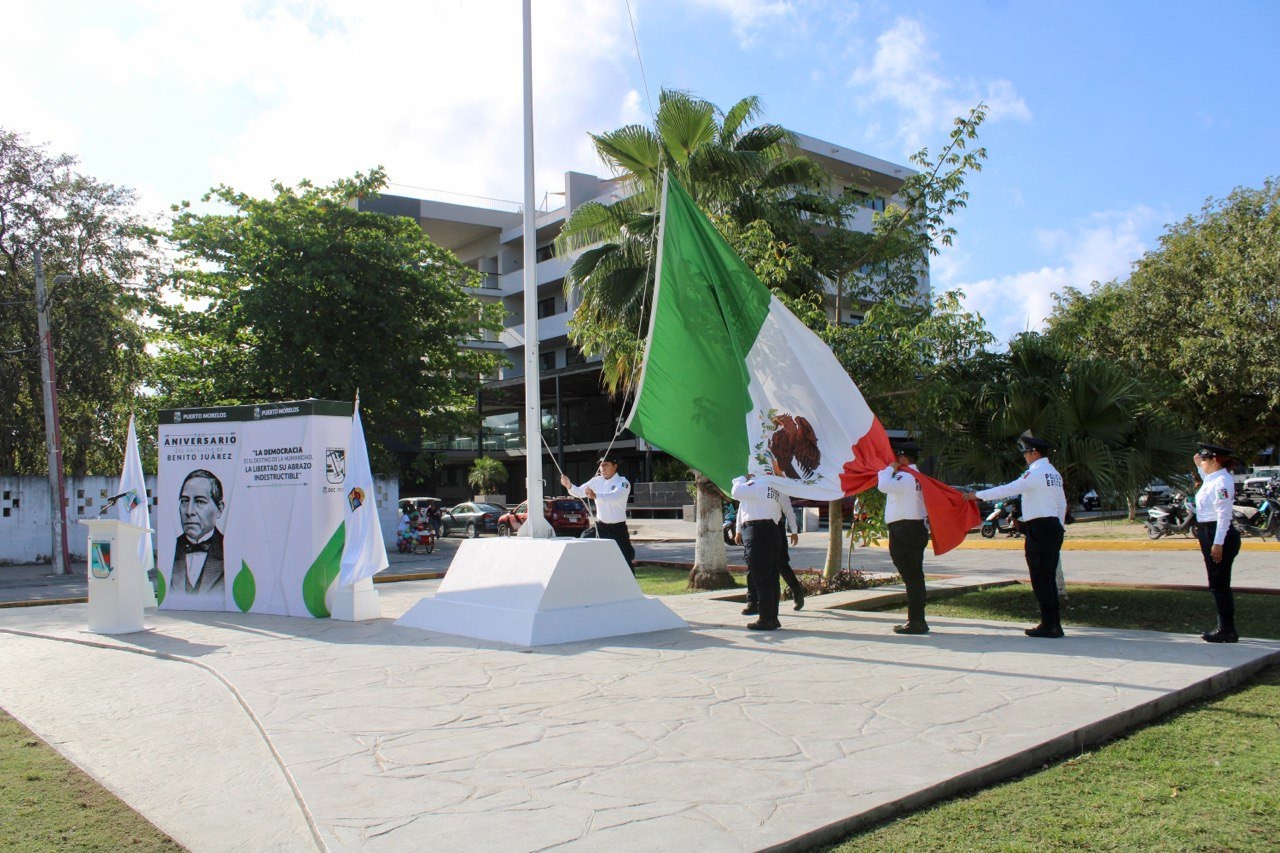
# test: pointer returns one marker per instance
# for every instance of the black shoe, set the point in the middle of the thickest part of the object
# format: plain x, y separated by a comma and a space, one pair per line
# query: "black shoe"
1050, 632
1221, 635
911, 628
761, 625
750, 610
799, 599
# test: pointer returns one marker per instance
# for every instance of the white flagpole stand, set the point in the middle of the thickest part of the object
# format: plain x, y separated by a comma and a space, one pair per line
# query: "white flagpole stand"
356, 603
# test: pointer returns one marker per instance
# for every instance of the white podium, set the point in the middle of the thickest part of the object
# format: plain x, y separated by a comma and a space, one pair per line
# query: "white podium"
534, 592
117, 581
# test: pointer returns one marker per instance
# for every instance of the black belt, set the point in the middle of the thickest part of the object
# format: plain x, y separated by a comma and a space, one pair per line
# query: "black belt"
759, 521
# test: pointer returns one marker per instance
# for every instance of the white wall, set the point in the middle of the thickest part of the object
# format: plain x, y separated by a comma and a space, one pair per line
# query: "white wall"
26, 530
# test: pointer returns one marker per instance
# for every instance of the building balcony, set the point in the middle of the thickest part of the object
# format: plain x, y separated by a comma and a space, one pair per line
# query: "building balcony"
549, 328
549, 270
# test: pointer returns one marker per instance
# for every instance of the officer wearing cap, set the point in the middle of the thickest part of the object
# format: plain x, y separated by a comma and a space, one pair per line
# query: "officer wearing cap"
1044, 511
610, 490
904, 515
1219, 540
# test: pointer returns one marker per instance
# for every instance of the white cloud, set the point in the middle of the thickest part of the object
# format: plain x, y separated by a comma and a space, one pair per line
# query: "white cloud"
1100, 247
902, 73
751, 17
250, 91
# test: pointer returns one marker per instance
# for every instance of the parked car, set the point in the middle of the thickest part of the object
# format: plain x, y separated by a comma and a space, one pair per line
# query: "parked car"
1090, 501
471, 519
567, 517
1260, 479
417, 504
1157, 491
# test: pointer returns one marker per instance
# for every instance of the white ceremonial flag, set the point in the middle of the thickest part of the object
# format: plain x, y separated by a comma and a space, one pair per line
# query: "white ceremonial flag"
133, 509
364, 554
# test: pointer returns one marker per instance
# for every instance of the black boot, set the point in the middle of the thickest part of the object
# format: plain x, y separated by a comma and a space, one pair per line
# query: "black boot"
1225, 604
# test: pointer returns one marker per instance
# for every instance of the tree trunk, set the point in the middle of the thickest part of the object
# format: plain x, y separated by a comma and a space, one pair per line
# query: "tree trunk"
710, 565
1133, 506
835, 538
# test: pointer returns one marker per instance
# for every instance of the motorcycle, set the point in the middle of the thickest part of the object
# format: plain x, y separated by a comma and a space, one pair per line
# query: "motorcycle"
1177, 516
1258, 517
1003, 519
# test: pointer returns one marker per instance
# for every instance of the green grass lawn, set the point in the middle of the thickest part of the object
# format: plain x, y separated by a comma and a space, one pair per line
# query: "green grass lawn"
1203, 778
661, 580
47, 803
1175, 611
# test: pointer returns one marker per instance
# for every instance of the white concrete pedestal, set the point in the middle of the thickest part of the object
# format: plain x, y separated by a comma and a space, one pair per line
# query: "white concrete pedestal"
356, 603
533, 592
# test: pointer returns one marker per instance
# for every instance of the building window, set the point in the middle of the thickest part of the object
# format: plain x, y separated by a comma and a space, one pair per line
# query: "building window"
547, 360
545, 252
546, 307
573, 355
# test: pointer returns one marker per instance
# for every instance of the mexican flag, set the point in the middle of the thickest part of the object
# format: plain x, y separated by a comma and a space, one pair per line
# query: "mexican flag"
733, 382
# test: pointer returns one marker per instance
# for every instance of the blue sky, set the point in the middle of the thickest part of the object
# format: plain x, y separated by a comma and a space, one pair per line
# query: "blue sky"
1108, 120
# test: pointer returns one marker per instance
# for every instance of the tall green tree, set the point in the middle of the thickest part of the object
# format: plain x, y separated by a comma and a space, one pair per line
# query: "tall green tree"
1199, 317
302, 295
91, 233
1110, 431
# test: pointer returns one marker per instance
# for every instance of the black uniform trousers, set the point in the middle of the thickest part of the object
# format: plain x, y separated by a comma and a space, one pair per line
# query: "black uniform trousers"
1043, 549
762, 550
784, 570
1220, 573
618, 533
907, 541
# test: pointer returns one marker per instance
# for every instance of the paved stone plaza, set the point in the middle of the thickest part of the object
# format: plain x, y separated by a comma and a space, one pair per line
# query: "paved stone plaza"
711, 738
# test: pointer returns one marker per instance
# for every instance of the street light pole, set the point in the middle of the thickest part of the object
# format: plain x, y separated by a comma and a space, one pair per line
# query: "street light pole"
52, 429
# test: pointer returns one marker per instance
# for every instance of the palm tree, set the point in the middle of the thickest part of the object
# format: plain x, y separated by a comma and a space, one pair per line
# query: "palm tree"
487, 475
737, 171
1109, 431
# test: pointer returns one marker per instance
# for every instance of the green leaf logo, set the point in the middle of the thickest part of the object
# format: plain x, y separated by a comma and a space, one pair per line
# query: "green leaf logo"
324, 570
245, 588
161, 589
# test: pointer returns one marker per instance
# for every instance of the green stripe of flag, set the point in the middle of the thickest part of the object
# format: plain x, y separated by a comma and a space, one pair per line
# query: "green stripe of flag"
708, 309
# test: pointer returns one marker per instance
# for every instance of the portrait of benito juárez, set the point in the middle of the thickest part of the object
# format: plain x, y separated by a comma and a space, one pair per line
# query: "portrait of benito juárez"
197, 556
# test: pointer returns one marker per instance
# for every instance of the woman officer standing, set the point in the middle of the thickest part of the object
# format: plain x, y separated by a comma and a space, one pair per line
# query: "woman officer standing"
1219, 541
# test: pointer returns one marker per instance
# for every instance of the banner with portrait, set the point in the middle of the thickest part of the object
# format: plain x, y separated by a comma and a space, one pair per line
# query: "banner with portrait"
250, 506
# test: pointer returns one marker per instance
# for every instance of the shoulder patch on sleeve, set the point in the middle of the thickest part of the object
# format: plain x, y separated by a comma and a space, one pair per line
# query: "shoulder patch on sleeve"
1222, 494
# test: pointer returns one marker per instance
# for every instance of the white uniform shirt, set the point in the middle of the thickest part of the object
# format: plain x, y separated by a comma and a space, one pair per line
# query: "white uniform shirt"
757, 501
903, 498
611, 496
1041, 489
1214, 501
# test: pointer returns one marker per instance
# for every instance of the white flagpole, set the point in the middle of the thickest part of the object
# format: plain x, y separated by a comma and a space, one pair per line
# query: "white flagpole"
532, 379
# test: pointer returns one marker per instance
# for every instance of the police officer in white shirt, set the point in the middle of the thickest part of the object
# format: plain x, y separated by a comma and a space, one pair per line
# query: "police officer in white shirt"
610, 490
1219, 540
758, 516
784, 557
1044, 511
904, 515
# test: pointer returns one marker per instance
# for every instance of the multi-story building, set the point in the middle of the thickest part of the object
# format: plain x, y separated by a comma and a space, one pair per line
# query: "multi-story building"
579, 419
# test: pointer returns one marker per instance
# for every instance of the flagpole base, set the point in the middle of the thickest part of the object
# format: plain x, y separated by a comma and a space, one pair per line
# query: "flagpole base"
534, 592
356, 603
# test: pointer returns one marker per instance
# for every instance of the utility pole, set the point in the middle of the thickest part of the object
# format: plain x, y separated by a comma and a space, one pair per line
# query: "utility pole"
52, 430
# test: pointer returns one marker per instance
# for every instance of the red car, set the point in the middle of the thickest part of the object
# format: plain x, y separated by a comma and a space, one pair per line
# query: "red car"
567, 516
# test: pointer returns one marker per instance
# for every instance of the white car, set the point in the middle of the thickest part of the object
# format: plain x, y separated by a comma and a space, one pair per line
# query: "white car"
1260, 479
